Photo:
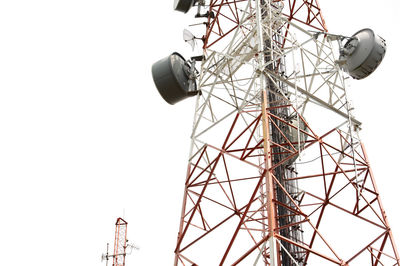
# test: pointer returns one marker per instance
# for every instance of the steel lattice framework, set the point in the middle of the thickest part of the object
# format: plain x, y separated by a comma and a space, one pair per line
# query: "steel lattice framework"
120, 242
277, 174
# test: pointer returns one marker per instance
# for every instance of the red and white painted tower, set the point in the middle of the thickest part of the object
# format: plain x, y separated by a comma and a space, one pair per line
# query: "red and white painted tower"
277, 173
120, 244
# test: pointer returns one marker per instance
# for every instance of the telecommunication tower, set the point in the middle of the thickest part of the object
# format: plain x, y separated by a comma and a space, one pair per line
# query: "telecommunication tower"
277, 173
121, 246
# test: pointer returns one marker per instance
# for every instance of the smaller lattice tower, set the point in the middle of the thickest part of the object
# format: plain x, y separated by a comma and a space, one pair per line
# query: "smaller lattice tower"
120, 245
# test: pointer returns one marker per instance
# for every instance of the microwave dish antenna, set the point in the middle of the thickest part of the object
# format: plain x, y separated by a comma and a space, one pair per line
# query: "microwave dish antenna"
363, 53
183, 5
175, 78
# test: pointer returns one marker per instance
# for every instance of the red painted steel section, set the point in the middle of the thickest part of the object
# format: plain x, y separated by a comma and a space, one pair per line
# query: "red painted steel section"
224, 9
244, 211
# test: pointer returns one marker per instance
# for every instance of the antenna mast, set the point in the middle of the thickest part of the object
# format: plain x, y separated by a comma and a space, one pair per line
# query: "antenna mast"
120, 244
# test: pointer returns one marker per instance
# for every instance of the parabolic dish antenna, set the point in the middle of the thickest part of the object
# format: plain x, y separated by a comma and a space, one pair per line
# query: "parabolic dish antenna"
363, 53
183, 5
189, 38
173, 78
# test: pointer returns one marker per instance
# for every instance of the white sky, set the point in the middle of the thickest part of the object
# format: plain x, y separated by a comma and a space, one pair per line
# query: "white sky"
84, 134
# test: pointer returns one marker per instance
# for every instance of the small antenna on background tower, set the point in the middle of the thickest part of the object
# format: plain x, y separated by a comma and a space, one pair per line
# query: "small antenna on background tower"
120, 245
105, 256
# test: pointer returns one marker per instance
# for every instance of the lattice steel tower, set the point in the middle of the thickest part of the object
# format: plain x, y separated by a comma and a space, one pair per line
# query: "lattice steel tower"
120, 244
277, 173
